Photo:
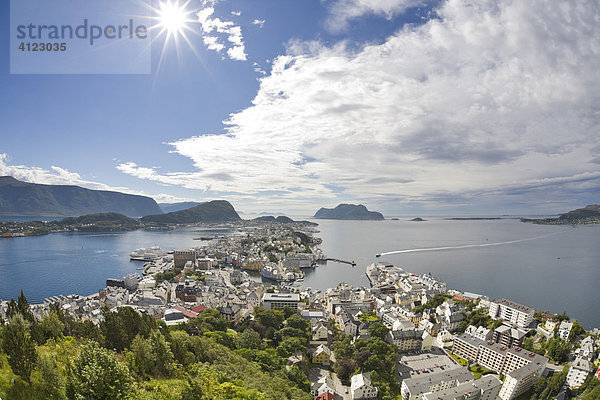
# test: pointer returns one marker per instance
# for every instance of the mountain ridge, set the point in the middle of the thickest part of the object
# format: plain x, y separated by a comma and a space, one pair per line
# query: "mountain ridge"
18, 198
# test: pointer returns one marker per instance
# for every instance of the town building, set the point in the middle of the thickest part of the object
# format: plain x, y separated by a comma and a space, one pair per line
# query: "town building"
415, 388
361, 387
406, 341
578, 372
272, 301
509, 336
180, 257
466, 347
564, 330
519, 381
486, 388
512, 312
321, 355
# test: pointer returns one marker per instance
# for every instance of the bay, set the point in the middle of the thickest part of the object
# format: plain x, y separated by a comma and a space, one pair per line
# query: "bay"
554, 268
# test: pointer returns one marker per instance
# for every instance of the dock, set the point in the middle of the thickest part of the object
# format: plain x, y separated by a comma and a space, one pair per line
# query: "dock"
341, 261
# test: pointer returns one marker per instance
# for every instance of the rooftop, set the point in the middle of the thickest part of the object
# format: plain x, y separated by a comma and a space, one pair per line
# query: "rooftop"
516, 306
281, 297
422, 383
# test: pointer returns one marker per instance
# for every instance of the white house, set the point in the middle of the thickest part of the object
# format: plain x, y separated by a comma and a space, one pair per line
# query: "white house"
578, 373
361, 388
565, 329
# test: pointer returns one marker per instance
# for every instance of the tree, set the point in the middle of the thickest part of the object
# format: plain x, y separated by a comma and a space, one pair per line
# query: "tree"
528, 344
290, 345
163, 357
576, 330
140, 359
378, 330
269, 318
122, 326
51, 325
97, 374
344, 368
21, 306
558, 350
182, 348
51, 383
288, 312
343, 348
249, 339
296, 321
296, 375
19, 347
496, 324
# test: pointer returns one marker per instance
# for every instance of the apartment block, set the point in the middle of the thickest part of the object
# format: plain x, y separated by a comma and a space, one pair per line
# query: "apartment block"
415, 388
466, 347
272, 301
512, 312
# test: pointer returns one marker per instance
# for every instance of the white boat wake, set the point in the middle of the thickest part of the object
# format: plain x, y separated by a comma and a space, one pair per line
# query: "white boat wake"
466, 246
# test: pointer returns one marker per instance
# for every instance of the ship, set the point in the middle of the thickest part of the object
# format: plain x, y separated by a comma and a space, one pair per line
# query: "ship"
147, 254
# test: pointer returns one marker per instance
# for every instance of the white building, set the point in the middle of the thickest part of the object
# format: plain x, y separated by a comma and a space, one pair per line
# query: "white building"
512, 312
361, 387
486, 388
578, 373
564, 330
415, 388
519, 381
279, 300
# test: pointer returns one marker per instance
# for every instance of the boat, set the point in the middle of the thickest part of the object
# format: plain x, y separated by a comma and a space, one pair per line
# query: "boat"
147, 254
378, 255
205, 238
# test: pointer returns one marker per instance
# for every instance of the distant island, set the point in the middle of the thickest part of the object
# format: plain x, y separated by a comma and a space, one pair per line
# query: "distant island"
170, 207
282, 219
19, 198
210, 212
473, 218
589, 215
418, 219
348, 212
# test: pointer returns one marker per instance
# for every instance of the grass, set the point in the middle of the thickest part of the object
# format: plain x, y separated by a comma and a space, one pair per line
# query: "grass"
460, 360
478, 371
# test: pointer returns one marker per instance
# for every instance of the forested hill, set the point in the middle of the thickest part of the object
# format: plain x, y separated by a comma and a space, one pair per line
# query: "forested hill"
212, 211
19, 198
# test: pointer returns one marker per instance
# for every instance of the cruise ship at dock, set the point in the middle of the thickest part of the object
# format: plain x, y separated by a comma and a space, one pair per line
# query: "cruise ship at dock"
147, 254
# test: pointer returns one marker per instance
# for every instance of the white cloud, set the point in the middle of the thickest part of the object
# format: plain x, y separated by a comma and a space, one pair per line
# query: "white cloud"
491, 97
60, 176
236, 13
259, 22
214, 28
342, 12
212, 43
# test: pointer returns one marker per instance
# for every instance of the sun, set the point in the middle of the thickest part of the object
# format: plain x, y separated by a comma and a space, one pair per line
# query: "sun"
174, 25
173, 18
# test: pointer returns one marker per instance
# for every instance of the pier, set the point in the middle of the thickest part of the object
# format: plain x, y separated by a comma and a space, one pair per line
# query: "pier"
341, 261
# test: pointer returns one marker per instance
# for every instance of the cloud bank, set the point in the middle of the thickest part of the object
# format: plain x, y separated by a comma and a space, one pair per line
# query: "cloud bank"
490, 99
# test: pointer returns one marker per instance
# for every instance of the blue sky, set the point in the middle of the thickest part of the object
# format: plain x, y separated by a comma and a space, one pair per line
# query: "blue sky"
405, 106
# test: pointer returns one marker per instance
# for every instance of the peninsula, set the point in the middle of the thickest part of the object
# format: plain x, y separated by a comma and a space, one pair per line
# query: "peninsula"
589, 215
